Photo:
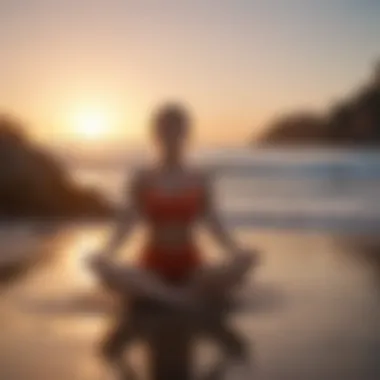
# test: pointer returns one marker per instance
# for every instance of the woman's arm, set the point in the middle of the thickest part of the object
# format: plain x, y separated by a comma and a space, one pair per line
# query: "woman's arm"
242, 258
126, 219
213, 220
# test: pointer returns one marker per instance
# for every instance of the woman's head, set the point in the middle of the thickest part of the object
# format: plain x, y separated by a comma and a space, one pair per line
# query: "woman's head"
171, 128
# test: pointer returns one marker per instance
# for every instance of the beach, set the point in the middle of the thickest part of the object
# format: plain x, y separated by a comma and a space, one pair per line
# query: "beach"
312, 309
257, 119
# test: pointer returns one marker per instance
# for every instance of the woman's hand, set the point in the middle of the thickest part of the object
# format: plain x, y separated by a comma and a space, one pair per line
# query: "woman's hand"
242, 262
246, 257
96, 260
103, 269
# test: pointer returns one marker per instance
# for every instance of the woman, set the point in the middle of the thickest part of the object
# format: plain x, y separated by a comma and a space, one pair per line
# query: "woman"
172, 199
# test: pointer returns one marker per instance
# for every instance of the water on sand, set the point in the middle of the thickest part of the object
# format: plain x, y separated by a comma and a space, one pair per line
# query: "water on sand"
312, 310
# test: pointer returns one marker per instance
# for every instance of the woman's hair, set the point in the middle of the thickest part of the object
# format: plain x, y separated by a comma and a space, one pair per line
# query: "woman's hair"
171, 117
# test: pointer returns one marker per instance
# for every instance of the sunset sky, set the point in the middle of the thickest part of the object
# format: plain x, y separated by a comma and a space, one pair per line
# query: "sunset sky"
91, 70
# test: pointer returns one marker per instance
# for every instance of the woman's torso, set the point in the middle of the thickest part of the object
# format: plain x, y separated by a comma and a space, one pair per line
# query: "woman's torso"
171, 204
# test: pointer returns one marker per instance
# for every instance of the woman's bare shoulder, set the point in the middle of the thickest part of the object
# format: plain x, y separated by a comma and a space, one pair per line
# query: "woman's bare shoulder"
140, 175
141, 171
202, 175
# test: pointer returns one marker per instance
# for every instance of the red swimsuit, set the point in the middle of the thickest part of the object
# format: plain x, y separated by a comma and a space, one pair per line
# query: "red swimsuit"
159, 208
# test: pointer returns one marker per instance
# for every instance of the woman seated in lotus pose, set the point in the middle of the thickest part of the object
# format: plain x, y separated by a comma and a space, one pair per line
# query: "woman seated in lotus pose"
172, 199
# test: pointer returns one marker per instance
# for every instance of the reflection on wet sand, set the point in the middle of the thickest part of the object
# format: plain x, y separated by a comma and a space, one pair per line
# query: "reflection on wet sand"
364, 251
309, 312
260, 299
22, 250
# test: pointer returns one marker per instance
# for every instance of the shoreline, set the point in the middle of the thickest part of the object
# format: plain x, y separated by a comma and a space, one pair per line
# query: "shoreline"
258, 221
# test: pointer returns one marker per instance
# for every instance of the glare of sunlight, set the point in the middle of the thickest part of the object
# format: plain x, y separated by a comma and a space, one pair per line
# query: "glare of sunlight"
92, 123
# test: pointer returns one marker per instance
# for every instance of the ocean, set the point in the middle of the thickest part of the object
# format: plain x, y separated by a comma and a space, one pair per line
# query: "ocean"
311, 310
305, 189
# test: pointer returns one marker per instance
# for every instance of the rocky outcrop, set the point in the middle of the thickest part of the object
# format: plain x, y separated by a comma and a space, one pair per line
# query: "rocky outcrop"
297, 128
34, 184
353, 122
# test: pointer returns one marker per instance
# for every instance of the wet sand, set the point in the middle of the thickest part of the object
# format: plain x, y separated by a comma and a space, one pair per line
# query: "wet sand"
312, 311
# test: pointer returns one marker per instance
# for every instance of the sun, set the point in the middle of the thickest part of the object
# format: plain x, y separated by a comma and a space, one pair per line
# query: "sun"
92, 123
